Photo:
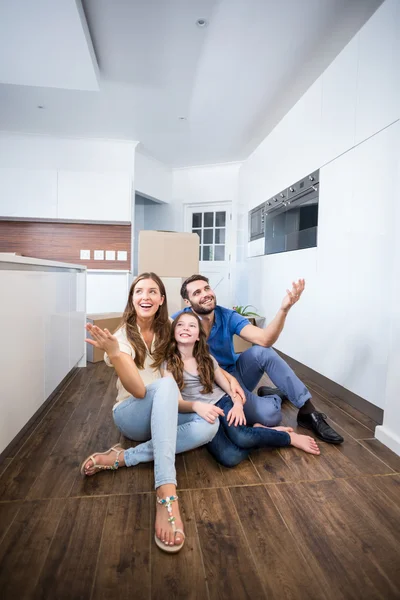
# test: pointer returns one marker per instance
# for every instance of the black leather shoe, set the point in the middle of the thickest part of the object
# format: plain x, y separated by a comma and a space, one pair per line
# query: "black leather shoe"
268, 391
316, 422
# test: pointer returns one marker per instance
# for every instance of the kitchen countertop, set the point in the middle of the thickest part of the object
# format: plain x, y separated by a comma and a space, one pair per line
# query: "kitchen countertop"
13, 259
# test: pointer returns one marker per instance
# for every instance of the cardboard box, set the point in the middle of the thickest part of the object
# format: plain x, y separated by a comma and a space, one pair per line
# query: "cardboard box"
173, 290
108, 321
168, 254
240, 345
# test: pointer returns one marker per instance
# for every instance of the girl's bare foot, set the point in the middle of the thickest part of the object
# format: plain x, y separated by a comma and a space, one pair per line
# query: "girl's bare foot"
286, 429
304, 442
164, 530
103, 459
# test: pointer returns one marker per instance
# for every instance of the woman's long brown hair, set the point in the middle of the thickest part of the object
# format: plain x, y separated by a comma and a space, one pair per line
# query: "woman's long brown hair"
161, 323
205, 365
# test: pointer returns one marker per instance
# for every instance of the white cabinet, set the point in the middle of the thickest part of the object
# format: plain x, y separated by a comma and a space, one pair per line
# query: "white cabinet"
339, 92
56, 322
378, 86
28, 193
42, 321
355, 255
94, 196
22, 352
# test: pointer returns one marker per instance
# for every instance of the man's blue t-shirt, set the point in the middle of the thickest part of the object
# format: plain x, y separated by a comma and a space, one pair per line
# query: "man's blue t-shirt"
227, 323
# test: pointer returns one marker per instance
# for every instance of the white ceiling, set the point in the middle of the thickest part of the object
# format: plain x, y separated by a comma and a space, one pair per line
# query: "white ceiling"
233, 80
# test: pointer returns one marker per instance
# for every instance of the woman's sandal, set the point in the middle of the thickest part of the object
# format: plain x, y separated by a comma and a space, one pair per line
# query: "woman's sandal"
167, 502
117, 448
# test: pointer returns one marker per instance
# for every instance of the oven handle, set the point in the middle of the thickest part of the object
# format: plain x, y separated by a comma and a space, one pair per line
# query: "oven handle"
311, 190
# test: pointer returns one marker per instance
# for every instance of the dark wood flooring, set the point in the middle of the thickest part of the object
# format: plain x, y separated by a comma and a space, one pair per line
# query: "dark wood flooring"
283, 524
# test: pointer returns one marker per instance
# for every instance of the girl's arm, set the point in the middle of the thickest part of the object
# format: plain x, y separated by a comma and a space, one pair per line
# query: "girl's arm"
235, 391
208, 412
124, 365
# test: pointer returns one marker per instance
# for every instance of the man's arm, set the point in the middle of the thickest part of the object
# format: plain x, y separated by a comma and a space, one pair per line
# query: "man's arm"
268, 336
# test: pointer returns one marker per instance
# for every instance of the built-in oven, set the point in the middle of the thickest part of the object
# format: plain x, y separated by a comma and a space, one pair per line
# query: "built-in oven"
291, 217
257, 223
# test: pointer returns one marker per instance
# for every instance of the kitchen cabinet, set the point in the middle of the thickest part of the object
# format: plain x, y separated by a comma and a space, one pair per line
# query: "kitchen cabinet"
28, 193
339, 93
378, 83
94, 196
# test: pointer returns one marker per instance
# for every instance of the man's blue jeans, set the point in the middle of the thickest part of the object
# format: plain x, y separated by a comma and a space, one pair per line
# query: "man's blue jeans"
232, 444
250, 367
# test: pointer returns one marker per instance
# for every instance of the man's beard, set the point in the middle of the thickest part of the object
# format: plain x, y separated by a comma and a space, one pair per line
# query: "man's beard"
204, 310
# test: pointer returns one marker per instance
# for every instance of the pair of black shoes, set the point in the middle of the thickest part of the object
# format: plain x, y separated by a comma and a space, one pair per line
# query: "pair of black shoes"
314, 420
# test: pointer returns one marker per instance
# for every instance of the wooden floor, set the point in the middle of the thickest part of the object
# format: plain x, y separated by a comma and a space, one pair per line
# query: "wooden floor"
281, 525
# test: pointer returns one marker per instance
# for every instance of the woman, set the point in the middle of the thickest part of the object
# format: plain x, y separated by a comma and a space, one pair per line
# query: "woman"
205, 389
146, 408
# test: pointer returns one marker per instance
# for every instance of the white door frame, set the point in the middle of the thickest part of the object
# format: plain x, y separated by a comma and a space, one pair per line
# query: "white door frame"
202, 206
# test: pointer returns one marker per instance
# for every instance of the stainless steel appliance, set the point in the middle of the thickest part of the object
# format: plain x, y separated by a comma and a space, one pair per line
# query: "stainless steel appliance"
257, 222
291, 217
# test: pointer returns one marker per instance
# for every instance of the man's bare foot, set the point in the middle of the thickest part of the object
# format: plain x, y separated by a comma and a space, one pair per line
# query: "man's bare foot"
304, 442
103, 459
164, 530
286, 429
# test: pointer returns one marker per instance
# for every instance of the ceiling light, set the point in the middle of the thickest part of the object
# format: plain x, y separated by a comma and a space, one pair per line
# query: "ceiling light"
201, 22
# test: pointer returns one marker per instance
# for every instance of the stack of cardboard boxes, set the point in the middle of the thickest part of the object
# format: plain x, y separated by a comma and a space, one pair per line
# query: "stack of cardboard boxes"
173, 257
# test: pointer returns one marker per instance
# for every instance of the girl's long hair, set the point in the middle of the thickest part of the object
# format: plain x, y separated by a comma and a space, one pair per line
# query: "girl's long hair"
205, 365
161, 324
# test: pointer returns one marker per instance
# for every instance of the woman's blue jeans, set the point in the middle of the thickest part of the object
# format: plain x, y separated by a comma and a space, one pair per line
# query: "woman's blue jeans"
233, 444
154, 420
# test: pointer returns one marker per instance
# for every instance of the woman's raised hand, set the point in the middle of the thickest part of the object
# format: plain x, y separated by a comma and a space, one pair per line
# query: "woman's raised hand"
103, 339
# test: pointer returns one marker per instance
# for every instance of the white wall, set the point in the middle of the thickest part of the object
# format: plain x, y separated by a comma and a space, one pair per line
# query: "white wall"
152, 178
341, 327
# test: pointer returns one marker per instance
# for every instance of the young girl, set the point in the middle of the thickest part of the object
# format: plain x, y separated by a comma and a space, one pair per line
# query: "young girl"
205, 389
146, 408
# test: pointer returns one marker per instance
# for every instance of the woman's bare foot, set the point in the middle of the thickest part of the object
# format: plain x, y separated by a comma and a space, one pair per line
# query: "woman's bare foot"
304, 442
286, 429
164, 530
103, 459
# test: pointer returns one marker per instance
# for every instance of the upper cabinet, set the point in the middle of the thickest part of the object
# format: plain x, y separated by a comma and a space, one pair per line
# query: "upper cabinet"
28, 193
94, 196
339, 93
378, 85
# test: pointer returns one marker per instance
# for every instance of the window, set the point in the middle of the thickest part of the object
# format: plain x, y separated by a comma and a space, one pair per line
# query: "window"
211, 229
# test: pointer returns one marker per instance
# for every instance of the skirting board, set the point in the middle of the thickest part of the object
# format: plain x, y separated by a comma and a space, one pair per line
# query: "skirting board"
372, 411
389, 438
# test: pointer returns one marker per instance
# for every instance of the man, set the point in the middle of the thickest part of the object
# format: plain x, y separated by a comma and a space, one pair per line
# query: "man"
221, 324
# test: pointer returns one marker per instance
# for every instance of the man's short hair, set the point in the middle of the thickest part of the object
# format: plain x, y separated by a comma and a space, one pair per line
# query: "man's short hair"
184, 292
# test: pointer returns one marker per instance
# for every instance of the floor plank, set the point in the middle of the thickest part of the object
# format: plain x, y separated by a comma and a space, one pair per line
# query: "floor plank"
202, 470
124, 556
8, 511
17, 480
61, 467
229, 566
338, 417
186, 577
360, 557
280, 562
24, 547
72, 557
383, 453
342, 404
